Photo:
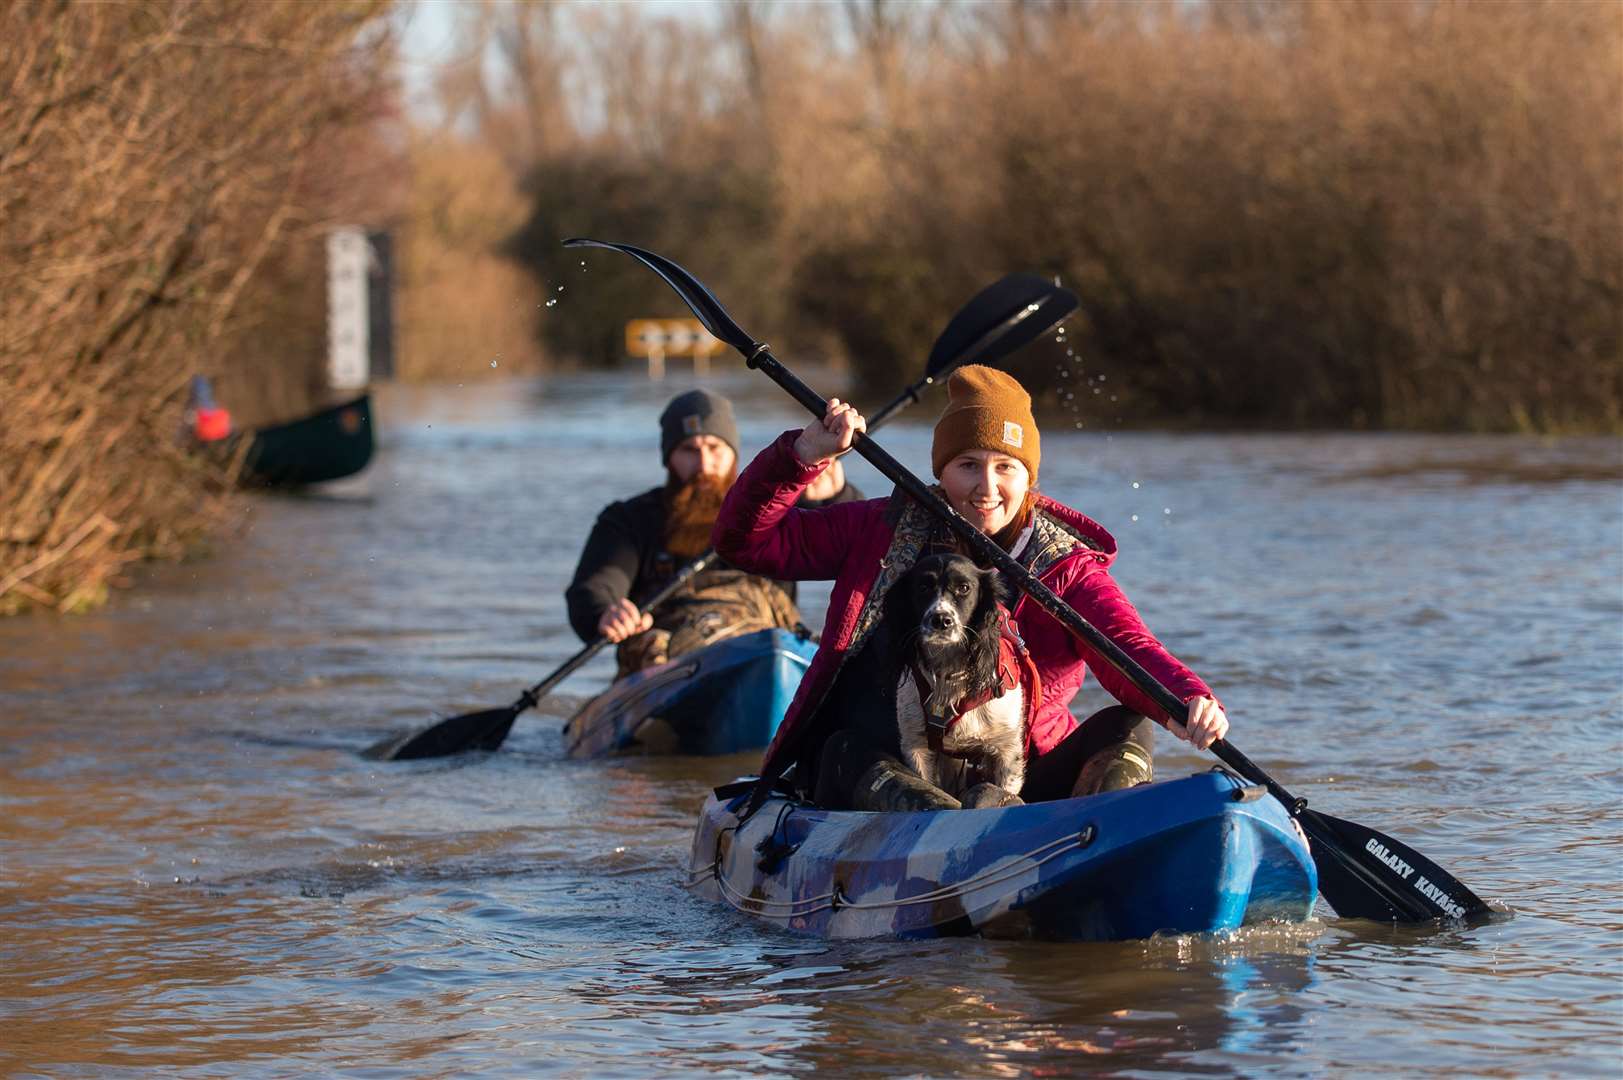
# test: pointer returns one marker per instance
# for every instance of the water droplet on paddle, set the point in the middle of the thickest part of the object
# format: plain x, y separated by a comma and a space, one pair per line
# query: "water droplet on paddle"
553, 302
493, 363
1135, 485
560, 288
1135, 517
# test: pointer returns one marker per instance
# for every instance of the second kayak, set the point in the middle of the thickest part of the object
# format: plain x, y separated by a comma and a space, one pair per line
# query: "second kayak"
726, 697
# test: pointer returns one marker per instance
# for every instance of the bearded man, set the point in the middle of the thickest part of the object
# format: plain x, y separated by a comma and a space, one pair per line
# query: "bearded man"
640, 543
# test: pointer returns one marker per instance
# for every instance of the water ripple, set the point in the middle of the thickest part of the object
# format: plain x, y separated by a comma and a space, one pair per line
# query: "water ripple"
201, 878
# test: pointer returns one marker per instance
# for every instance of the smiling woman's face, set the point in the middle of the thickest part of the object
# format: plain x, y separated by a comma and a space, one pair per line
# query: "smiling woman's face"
986, 487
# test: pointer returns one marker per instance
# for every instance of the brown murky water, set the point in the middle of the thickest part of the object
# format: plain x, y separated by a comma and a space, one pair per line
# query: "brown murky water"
198, 874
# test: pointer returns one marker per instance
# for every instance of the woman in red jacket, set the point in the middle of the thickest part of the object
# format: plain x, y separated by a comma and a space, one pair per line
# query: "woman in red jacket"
985, 455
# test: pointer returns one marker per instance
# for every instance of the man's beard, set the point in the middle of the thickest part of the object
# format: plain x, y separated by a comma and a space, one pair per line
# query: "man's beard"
690, 512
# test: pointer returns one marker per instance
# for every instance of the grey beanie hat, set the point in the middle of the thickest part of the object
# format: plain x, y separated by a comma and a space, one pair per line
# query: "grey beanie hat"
697, 412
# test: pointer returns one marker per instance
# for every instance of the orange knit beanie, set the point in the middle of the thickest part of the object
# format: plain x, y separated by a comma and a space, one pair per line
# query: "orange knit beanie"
986, 410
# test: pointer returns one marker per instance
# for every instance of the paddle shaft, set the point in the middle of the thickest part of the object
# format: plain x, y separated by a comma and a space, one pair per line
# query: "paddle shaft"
907, 397
911, 394
540, 690
988, 551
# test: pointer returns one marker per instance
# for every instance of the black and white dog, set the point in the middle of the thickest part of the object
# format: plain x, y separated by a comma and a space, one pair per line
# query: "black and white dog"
931, 712
963, 684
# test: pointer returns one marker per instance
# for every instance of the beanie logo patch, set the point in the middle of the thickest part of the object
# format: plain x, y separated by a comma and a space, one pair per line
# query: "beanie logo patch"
1013, 434
691, 422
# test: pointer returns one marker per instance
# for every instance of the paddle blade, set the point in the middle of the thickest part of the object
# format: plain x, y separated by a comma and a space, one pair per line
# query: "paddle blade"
1009, 313
700, 300
1368, 875
471, 731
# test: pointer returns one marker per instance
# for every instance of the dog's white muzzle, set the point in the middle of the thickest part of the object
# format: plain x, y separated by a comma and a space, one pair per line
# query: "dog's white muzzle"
941, 623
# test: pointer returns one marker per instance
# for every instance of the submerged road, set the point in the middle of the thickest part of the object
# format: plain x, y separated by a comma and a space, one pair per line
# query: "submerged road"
199, 874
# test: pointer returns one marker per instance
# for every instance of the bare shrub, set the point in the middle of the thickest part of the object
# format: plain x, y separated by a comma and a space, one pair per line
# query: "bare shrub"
672, 163
155, 161
464, 304
1367, 213
1352, 214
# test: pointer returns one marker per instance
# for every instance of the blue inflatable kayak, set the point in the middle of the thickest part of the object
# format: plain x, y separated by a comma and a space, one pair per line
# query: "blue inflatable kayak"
726, 697
1200, 855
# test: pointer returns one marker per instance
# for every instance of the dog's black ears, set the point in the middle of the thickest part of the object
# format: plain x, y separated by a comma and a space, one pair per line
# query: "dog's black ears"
993, 585
896, 609
993, 592
986, 624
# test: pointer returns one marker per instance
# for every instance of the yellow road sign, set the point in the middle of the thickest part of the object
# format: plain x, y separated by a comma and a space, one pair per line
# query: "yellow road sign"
670, 337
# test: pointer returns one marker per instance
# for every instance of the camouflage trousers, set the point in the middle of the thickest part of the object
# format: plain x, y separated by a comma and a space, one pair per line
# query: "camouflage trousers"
726, 604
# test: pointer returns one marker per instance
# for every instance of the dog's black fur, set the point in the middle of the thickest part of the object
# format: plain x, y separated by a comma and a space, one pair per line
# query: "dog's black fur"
942, 617
967, 600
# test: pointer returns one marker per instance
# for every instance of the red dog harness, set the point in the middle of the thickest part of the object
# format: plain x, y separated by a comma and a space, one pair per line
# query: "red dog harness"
1014, 669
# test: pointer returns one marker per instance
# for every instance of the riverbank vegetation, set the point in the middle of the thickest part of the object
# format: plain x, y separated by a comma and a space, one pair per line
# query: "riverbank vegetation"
1366, 214
166, 170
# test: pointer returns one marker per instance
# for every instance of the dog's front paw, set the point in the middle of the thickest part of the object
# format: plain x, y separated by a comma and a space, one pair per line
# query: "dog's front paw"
989, 797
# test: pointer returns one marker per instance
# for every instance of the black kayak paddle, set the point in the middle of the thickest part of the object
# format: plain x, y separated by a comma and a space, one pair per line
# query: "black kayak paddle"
1009, 313
1362, 873
487, 730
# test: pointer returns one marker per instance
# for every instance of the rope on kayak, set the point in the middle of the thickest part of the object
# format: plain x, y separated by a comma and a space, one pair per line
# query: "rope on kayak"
833, 900
712, 870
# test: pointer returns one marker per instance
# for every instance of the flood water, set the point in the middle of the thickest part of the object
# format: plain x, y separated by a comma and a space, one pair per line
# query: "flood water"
200, 876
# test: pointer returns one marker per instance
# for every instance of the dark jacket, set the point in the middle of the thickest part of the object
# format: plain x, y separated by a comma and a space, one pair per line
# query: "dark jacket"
625, 556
